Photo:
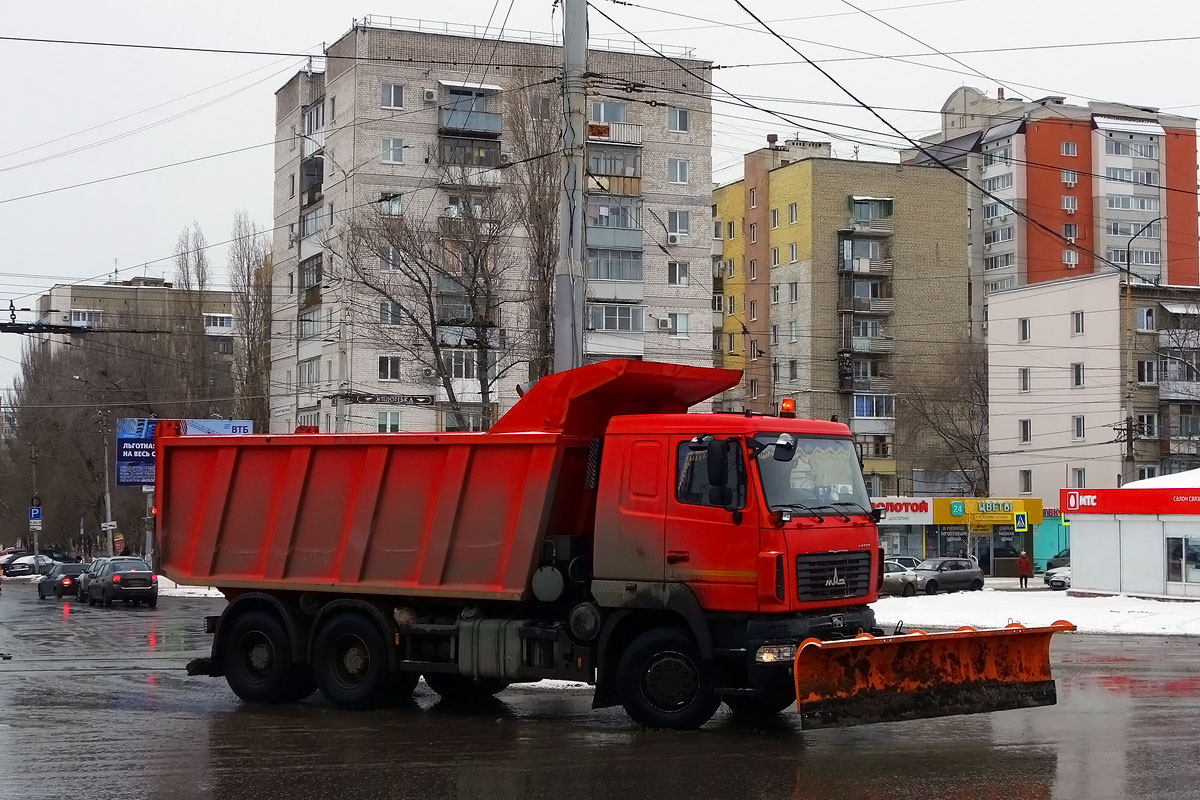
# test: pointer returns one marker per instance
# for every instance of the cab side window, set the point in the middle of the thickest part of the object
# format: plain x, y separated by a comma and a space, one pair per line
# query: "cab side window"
691, 477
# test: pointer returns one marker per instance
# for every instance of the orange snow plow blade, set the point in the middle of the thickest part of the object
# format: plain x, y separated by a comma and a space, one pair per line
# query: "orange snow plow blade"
918, 675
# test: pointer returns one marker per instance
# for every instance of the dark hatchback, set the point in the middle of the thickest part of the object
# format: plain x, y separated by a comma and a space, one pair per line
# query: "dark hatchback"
60, 581
128, 579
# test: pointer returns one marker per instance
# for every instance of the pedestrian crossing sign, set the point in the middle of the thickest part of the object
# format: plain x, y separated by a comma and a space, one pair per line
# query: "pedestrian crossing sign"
1020, 522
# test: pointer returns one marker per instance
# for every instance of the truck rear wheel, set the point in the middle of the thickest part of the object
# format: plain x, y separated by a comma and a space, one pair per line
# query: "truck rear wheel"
664, 683
350, 662
256, 660
463, 689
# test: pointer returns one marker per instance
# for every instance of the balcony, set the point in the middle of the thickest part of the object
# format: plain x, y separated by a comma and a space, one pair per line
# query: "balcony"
621, 238
615, 132
871, 344
484, 178
616, 344
1185, 391
873, 227
882, 305
620, 291
469, 121
615, 184
870, 266
312, 143
718, 320
718, 248
878, 384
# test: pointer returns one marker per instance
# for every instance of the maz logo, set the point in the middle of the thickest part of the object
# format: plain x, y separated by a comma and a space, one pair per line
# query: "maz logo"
836, 580
1076, 501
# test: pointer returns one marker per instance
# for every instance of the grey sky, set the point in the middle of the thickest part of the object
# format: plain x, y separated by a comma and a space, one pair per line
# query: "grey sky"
58, 90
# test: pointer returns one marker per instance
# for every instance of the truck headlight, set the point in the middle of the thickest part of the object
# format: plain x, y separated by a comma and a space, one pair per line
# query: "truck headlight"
775, 653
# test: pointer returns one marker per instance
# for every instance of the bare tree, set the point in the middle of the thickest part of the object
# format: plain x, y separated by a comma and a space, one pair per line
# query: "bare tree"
250, 273
942, 420
533, 130
447, 286
198, 369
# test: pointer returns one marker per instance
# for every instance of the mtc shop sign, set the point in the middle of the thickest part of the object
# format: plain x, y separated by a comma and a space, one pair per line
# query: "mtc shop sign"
1130, 501
905, 510
135, 444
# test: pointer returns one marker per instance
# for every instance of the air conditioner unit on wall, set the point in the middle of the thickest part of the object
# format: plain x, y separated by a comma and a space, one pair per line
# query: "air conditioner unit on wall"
1069, 210
672, 239
431, 95
664, 324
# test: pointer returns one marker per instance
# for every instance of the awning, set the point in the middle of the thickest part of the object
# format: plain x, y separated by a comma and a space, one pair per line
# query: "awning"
481, 87
1181, 308
1128, 125
863, 198
1003, 131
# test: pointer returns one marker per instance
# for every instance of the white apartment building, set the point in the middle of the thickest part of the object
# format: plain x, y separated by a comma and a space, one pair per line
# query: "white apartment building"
370, 131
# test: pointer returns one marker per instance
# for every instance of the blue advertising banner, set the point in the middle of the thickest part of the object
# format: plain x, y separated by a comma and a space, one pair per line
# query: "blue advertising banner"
135, 444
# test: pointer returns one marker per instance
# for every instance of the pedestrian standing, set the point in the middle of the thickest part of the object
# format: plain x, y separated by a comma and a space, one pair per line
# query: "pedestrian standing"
1024, 569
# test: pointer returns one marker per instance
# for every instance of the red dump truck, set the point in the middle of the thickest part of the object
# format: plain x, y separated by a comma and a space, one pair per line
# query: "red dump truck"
598, 532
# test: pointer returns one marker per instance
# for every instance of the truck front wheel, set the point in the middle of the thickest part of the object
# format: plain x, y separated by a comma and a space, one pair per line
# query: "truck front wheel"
350, 661
664, 683
463, 689
771, 702
256, 661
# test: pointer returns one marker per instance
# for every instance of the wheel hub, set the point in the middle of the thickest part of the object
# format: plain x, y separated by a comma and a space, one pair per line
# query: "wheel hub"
354, 661
670, 681
261, 657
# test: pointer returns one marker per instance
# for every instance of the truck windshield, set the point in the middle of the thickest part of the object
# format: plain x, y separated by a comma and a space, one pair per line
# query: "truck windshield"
823, 475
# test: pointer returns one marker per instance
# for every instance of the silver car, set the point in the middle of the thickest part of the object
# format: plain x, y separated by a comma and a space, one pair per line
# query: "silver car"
948, 575
898, 579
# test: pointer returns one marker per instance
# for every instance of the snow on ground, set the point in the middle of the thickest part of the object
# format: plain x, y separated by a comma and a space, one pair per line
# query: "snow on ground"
169, 588
992, 609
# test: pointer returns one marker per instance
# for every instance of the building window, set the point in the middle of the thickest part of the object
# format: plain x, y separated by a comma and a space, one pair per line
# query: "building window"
389, 368
793, 252
873, 406
388, 421
998, 235
1069, 176
753, 309
292, 185
390, 312
732, 301
774, 334
1004, 181
392, 151
1070, 203
1079, 477
1116, 227
792, 371
1076, 375
1145, 318
677, 170
1023, 329
677, 273
1070, 230
1023, 379
1076, 323
1078, 429
1070, 257
211, 320
1146, 177
754, 388
677, 120
308, 323
730, 229
774, 371
774, 217
1025, 481
732, 343
609, 111
1147, 372
1147, 472
391, 204
616, 212
391, 95
1024, 431
677, 222
717, 228
754, 198
793, 213
1000, 261
617, 317
679, 324
752, 270
718, 303
308, 374
793, 292
991, 210
1148, 425
774, 293
774, 256
310, 223
792, 330
753, 232
460, 364
1068, 149
754, 351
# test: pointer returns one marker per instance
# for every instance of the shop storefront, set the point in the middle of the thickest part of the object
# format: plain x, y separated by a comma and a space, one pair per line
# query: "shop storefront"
984, 528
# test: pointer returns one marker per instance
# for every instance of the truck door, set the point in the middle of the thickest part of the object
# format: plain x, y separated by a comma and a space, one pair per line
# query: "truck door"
705, 548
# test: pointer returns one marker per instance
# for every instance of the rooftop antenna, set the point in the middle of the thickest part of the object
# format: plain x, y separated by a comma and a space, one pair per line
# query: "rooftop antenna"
114, 270
856, 152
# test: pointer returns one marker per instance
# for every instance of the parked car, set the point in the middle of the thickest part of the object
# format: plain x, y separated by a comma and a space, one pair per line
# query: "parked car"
1063, 559
898, 579
1050, 573
1061, 579
25, 565
9, 558
948, 575
128, 579
93, 570
60, 581
908, 562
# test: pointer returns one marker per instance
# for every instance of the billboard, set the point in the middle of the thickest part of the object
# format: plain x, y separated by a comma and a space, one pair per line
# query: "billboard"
135, 444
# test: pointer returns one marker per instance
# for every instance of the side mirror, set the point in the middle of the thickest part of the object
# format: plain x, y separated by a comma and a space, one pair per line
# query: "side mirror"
785, 448
877, 515
718, 463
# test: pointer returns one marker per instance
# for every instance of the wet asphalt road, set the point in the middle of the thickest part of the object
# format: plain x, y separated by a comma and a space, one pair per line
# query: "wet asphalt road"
96, 699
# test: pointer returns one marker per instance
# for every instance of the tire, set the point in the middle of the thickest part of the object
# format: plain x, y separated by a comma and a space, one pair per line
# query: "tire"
664, 683
256, 659
462, 689
350, 661
931, 587
976, 585
768, 704
108, 600
153, 603
908, 591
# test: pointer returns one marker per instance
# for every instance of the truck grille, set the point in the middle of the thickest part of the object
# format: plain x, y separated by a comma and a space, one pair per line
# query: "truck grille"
832, 576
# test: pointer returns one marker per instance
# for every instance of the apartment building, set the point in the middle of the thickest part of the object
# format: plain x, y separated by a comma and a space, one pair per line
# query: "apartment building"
840, 282
1099, 184
401, 121
1092, 383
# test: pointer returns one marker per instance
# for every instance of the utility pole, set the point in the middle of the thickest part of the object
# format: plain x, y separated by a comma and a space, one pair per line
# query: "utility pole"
108, 524
34, 500
568, 277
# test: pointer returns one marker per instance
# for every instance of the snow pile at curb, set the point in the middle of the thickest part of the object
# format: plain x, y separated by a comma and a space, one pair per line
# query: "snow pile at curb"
169, 588
989, 609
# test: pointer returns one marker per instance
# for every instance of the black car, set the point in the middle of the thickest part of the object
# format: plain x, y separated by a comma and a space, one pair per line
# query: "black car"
60, 581
93, 570
128, 579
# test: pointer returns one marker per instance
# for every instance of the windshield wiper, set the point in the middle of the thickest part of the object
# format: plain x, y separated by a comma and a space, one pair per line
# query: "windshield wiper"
845, 517
810, 510
856, 505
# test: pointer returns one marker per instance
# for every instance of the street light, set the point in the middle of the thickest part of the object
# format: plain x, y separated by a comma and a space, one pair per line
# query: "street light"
1129, 244
1130, 448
